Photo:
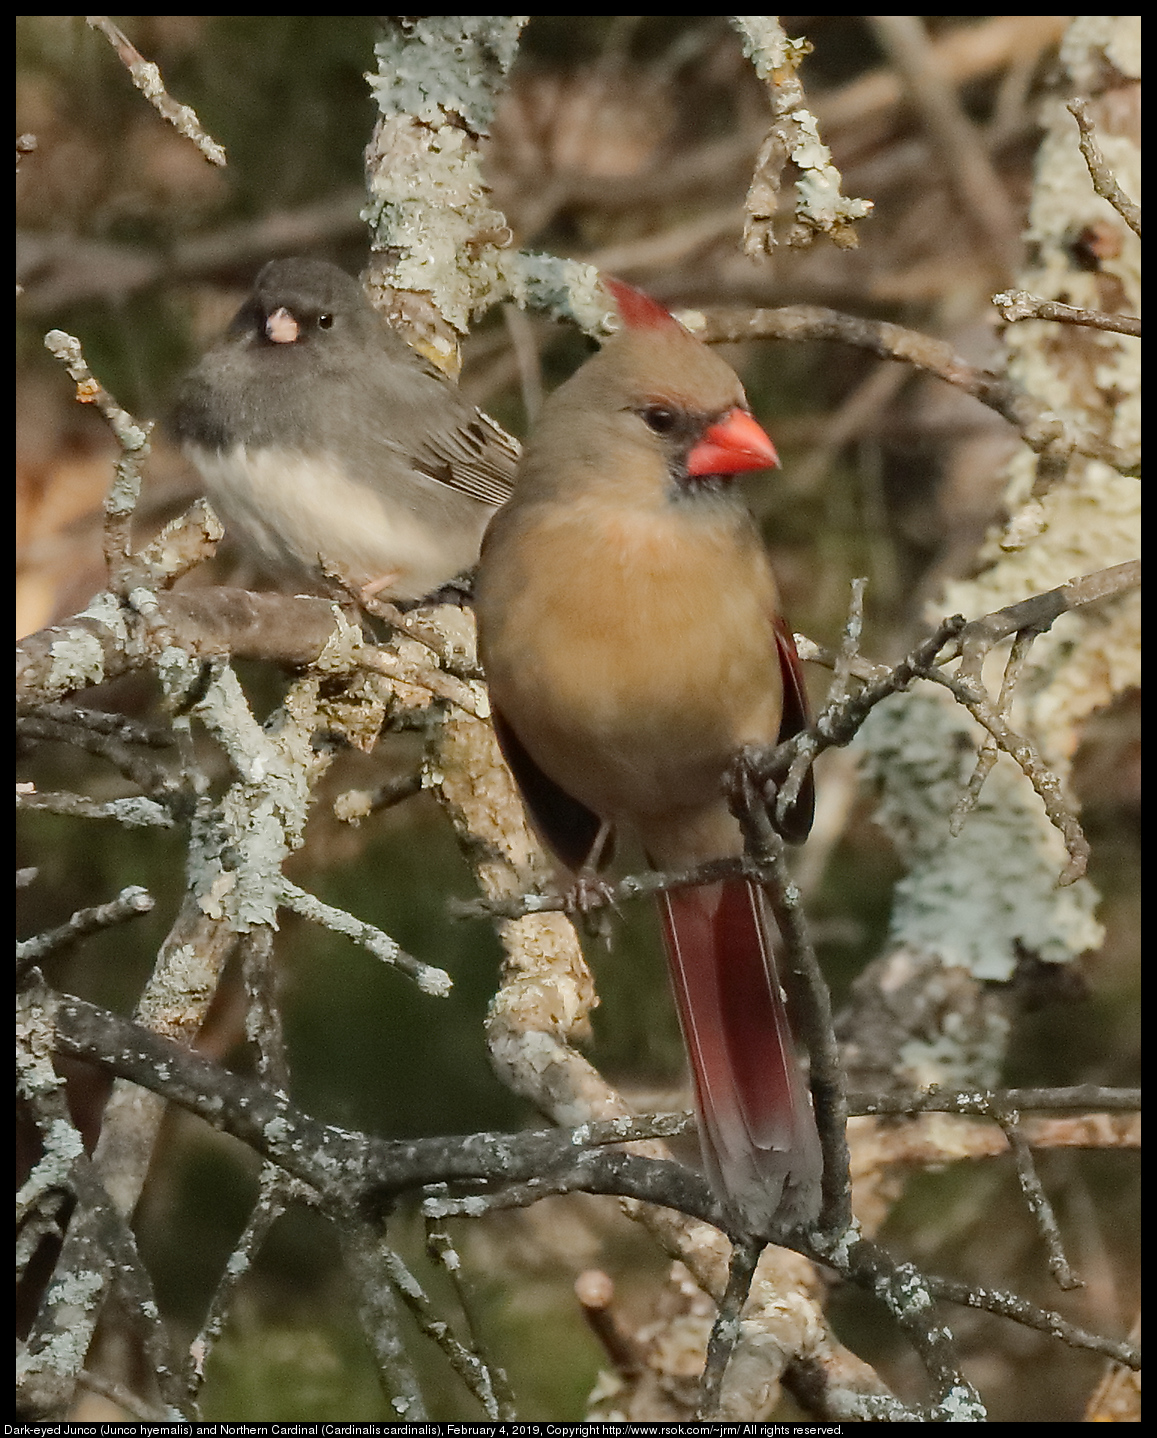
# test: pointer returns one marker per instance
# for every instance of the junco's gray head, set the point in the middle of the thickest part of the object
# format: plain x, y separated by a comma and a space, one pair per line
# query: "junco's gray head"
331, 448
311, 307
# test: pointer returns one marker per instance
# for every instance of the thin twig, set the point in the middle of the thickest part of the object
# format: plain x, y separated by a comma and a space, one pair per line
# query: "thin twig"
430, 980
819, 207
271, 1202
1038, 1202
133, 439
1019, 1310
103, 721
130, 903
725, 1330
1040, 611
1104, 181
472, 1370
656, 1181
986, 757
264, 1029
440, 1247
995, 1103
1048, 787
1038, 425
1017, 305
147, 78
54, 724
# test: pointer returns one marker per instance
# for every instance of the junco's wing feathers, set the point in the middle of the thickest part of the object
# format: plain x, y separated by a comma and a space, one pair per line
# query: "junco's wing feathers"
465, 456
427, 423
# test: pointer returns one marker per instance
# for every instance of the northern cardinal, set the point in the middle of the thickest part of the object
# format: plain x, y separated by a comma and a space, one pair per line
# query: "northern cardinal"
630, 631
332, 447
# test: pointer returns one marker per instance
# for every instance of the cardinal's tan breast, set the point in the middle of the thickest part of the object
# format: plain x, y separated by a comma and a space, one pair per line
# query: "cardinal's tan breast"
646, 656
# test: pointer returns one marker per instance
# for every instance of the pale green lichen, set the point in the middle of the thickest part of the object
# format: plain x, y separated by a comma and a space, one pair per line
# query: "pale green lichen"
73, 1295
428, 203
819, 200
961, 1053
429, 206
979, 899
961, 1405
564, 289
62, 1147
433, 64
768, 47
77, 655
139, 813
820, 207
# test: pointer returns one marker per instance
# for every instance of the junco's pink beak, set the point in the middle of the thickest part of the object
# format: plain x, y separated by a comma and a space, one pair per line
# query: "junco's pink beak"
281, 327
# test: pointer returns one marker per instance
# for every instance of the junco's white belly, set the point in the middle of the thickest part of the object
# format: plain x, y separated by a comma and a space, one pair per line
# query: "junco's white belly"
304, 514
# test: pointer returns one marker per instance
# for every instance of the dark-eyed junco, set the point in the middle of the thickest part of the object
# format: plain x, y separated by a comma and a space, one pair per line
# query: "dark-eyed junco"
331, 448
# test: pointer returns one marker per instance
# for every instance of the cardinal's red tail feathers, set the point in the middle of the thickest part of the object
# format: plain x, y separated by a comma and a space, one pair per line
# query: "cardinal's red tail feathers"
759, 1137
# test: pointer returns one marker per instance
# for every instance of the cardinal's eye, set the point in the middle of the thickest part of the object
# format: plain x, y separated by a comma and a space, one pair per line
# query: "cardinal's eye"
325, 322
659, 418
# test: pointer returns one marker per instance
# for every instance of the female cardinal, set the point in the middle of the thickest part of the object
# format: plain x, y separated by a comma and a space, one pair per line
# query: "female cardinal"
332, 448
630, 631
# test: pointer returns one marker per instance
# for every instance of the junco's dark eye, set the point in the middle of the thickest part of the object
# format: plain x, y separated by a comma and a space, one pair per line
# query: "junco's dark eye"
325, 322
659, 418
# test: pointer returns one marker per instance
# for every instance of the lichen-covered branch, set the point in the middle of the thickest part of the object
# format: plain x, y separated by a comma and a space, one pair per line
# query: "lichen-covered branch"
819, 207
1017, 305
147, 78
435, 237
1104, 181
348, 1171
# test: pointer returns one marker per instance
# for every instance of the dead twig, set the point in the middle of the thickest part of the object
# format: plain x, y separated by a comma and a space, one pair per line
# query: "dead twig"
819, 207
725, 1329
147, 78
1104, 181
1036, 424
1038, 1202
1017, 305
